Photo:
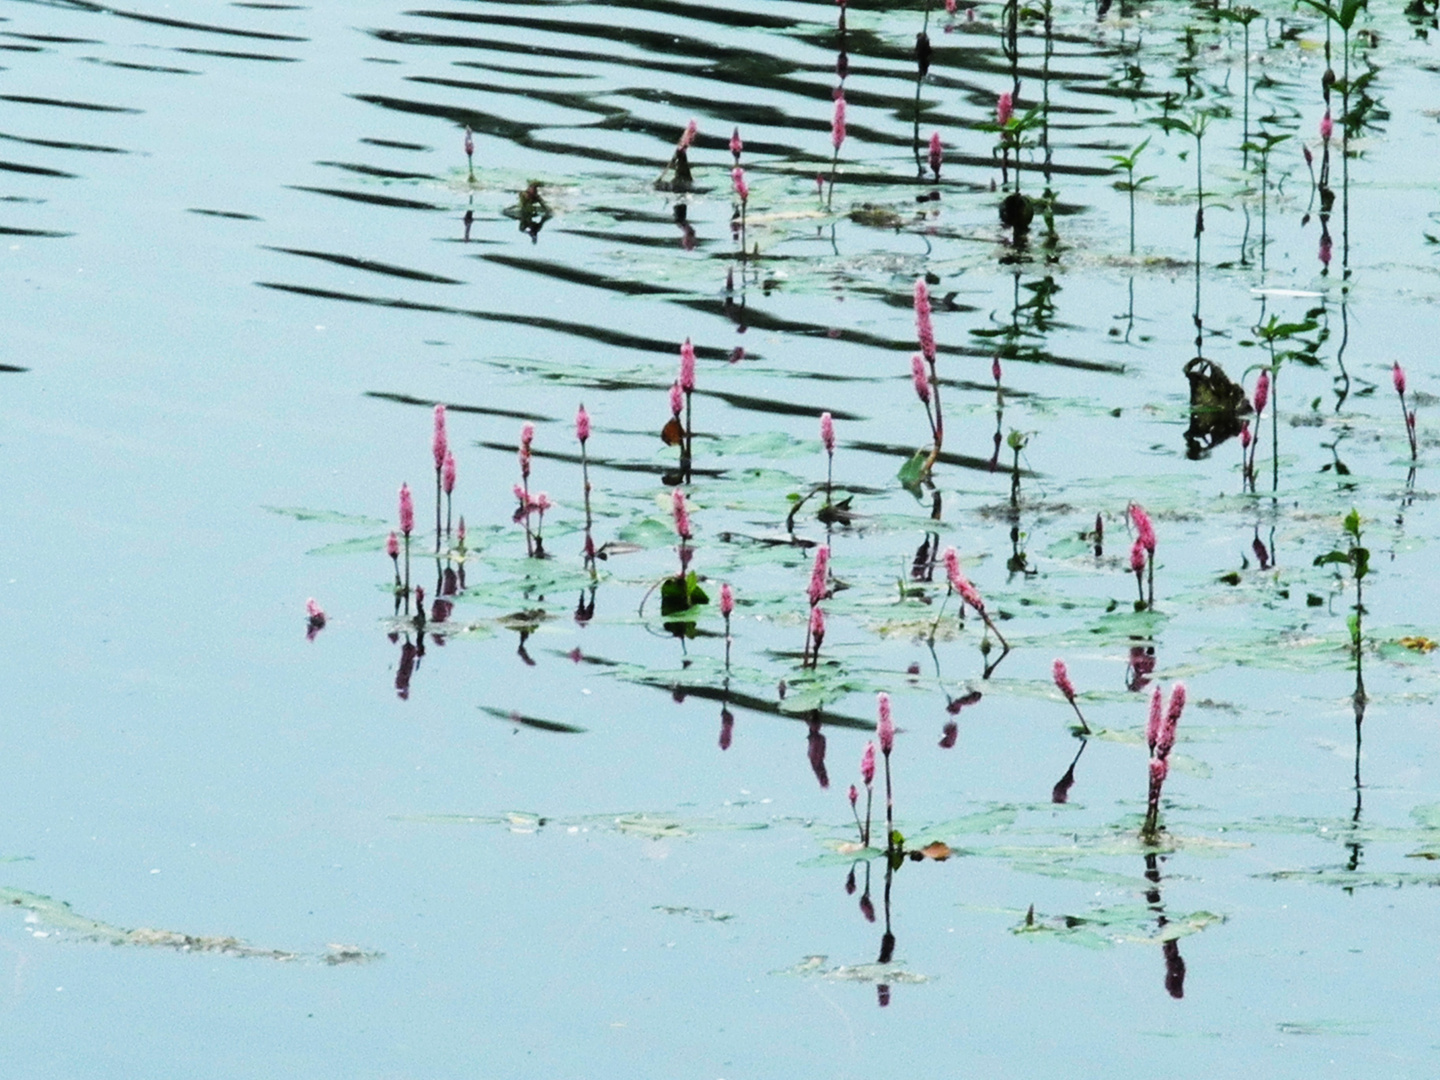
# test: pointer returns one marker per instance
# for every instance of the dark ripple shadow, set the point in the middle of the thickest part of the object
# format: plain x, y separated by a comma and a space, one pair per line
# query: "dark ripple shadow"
34, 170
393, 145
480, 410
368, 265
375, 170
227, 55
368, 197
59, 144
181, 24
86, 106
235, 214
127, 66
11, 369
7, 230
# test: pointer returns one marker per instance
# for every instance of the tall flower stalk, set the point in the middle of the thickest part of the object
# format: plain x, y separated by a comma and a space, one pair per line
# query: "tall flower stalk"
439, 446
925, 333
1397, 376
837, 139
1160, 736
885, 733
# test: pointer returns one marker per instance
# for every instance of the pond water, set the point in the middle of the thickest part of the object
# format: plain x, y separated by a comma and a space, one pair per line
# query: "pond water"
557, 833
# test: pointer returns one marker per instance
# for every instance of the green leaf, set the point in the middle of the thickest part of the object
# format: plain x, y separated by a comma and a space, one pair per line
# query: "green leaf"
913, 471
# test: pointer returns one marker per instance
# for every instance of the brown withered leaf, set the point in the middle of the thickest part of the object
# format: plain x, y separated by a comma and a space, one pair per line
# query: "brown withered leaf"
936, 849
672, 433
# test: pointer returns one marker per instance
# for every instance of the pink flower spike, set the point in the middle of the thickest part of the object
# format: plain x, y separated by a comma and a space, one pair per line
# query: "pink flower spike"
885, 728
687, 366
460, 532
827, 432
727, 600
392, 546
541, 502
867, 764
1004, 108
1137, 557
924, 330
1062, 680
937, 153
441, 442
952, 571
949, 7
837, 125
1262, 392
742, 189
688, 136
1397, 376
527, 436
447, 473
582, 424
677, 400
1159, 769
995, 370
817, 629
922, 381
818, 574
1327, 126
1152, 725
469, 142
1144, 531
854, 796
407, 510
1173, 710
819, 184
1245, 437
736, 145
682, 514
971, 596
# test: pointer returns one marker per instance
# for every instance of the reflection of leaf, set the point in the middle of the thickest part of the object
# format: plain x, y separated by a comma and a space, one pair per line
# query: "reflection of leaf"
1123, 924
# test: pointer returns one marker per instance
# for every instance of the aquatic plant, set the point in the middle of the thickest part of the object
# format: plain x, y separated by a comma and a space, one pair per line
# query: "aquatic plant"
885, 733
470, 152
937, 155
1144, 539
314, 619
1160, 737
1130, 185
1066, 687
407, 525
1397, 378
837, 138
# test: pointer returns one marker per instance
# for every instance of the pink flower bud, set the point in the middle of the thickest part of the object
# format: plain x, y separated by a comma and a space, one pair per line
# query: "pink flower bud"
1326, 247
677, 399
817, 628
419, 596
1062, 680
995, 370
441, 443
392, 546
885, 728
1262, 392
469, 142
937, 153
736, 145
1004, 108
407, 510
1245, 436
1397, 376
867, 764
1327, 126
1152, 724
1137, 557
949, 7
688, 136
687, 366
460, 532
447, 473
1410, 420
582, 424
854, 796
541, 502
682, 514
924, 330
1144, 531
921, 380
742, 189
819, 184
952, 569
1309, 157
818, 575
827, 432
837, 125
727, 600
